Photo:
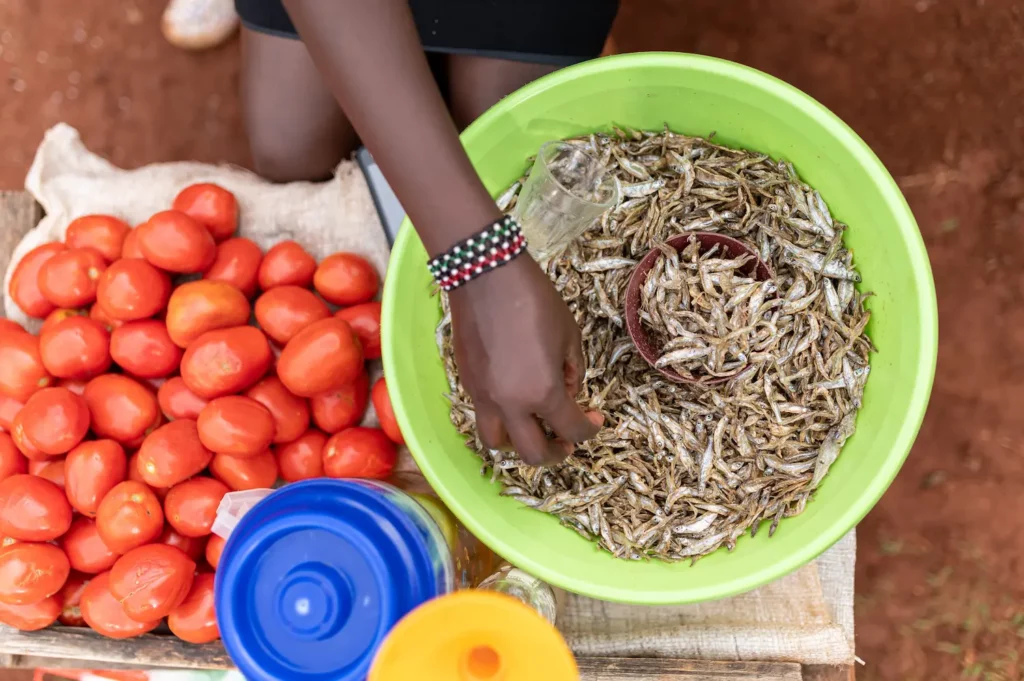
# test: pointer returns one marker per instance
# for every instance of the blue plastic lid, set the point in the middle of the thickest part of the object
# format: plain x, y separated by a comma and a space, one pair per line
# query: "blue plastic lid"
314, 577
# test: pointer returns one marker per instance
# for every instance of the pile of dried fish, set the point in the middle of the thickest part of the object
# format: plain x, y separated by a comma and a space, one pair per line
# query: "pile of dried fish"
680, 470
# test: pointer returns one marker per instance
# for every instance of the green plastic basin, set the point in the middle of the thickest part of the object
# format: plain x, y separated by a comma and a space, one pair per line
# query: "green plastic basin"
694, 95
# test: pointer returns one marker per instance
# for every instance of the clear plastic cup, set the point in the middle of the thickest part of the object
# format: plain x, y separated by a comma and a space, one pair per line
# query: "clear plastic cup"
567, 190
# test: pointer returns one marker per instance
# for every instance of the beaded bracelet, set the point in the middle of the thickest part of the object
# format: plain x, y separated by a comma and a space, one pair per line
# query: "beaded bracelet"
496, 245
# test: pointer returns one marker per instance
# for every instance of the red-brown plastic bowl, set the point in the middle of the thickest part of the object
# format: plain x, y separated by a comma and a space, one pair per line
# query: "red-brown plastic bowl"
729, 247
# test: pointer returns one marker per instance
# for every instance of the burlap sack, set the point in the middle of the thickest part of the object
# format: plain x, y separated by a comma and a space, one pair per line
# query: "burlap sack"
805, 617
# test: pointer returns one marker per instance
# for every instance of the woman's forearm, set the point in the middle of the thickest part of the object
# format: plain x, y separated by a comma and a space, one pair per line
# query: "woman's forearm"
369, 53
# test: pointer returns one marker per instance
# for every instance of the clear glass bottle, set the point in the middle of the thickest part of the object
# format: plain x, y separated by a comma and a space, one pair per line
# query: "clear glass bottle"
525, 588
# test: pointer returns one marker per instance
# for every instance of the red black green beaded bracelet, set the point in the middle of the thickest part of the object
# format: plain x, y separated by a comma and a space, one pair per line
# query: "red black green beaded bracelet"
491, 248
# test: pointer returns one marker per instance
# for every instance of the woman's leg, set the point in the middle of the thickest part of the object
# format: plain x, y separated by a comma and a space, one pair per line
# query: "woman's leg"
475, 84
296, 129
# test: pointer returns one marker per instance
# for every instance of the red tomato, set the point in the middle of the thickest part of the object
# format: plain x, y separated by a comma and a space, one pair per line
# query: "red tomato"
255, 472
365, 321
172, 453
210, 205
237, 263
133, 289
283, 311
92, 469
359, 453
286, 264
144, 349
31, 617
192, 547
102, 611
85, 548
226, 361
191, 507
341, 408
195, 620
75, 385
291, 413
77, 347
71, 597
70, 278
129, 516
97, 313
54, 420
178, 402
8, 326
59, 315
21, 367
302, 458
9, 408
52, 470
12, 462
135, 473
174, 242
131, 249
33, 509
236, 425
201, 306
152, 580
346, 279
24, 285
104, 233
214, 547
122, 409
323, 356
385, 414
30, 572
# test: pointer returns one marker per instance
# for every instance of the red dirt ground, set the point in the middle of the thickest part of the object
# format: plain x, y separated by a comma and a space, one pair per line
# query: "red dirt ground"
934, 86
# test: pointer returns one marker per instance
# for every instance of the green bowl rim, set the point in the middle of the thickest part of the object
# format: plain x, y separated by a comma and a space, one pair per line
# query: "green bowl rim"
924, 372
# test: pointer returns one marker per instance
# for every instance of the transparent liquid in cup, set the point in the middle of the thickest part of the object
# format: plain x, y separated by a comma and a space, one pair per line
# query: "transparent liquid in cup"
567, 190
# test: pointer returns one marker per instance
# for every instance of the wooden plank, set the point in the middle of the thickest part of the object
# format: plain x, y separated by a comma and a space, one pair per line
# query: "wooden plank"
650, 669
19, 213
826, 672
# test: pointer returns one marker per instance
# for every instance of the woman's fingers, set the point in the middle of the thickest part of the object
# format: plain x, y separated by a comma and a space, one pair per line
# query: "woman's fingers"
490, 427
529, 440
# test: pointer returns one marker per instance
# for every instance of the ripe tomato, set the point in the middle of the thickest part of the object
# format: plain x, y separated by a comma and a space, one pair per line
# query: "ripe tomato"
52, 470
54, 420
191, 506
31, 617
385, 414
172, 453
214, 548
102, 611
286, 264
341, 408
12, 461
212, 206
105, 233
21, 367
254, 472
9, 408
129, 516
152, 580
59, 315
131, 249
135, 473
201, 306
30, 572
70, 278
302, 458
85, 548
236, 425
283, 311
24, 285
103, 317
323, 356
359, 453
8, 326
346, 279
365, 321
122, 409
237, 263
33, 509
133, 289
71, 598
76, 347
144, 349
226, 361
192, 547
177, 401
92, 469
291, 413
174, 242
195, 620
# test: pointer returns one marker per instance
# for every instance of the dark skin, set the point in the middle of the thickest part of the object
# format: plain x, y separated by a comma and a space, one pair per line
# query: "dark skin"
516, 343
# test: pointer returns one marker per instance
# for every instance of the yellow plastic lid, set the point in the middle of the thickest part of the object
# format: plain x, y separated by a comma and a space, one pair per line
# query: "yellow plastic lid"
474, 636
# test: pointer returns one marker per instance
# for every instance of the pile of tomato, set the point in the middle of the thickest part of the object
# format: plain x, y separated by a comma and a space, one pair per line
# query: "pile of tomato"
176, 363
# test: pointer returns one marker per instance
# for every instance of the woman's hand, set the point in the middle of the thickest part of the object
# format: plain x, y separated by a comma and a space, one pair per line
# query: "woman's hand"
519, 355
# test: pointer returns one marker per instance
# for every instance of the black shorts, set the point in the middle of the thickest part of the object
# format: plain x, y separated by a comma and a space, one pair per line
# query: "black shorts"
558, 32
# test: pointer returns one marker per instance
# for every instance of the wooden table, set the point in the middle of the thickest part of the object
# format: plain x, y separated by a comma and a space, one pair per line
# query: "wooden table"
82, 648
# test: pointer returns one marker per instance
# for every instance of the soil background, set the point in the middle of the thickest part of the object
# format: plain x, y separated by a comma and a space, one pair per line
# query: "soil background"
934, 86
